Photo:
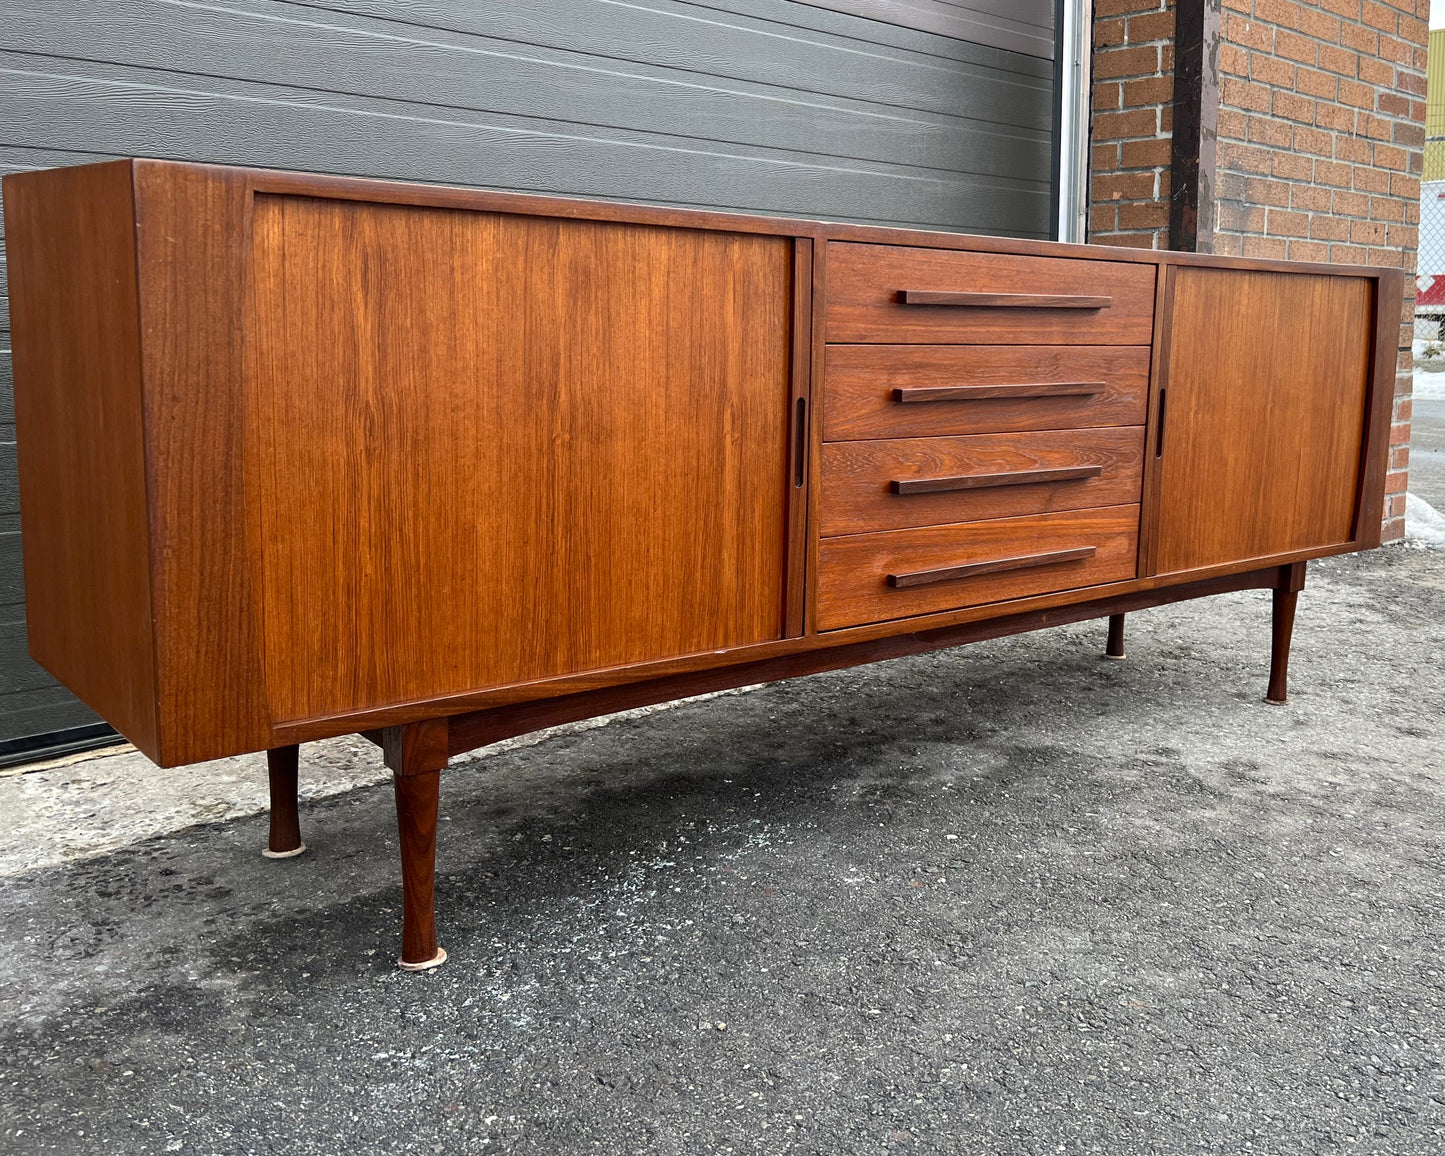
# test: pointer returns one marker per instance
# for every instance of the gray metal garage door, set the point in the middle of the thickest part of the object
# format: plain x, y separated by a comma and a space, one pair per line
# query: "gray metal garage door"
916, 112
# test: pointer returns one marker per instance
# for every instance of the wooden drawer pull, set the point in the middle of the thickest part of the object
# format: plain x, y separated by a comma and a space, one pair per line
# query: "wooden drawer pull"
905, 395
969, 570
1003, 300
987, 481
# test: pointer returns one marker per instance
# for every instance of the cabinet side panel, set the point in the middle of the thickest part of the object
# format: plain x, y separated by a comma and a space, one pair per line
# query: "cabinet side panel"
70, 236
1368, 522
191, 224
500, 448
1264, 413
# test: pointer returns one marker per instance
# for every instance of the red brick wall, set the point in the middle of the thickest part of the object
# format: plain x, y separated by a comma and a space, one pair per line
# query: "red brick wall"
1321, 127
1133, 97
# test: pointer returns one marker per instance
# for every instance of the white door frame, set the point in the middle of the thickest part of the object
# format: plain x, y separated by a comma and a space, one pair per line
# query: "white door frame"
1075, 46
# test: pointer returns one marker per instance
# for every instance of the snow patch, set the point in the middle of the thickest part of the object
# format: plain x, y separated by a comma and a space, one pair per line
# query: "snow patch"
1430, 385
1424, 524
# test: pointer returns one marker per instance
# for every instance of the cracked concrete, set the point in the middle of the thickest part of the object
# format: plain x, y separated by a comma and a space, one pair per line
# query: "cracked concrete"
1004, 899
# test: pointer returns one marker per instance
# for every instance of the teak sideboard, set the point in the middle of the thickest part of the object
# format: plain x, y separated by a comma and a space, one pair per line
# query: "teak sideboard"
303, 456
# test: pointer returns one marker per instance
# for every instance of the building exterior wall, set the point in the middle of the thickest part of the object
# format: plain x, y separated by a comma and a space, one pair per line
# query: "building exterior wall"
1133, 97
1435, 109
934, 115
1321, 127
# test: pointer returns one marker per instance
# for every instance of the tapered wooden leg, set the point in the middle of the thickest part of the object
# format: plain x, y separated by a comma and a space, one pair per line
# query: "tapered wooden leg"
1286, 596
285, 841
1115, 646
416, 754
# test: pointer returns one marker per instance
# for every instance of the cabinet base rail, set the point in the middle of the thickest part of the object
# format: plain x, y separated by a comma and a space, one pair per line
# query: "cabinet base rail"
417, 752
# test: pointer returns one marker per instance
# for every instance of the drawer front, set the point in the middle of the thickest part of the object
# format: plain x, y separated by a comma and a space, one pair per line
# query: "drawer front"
888, 391
890, 485
893, 293
901, 573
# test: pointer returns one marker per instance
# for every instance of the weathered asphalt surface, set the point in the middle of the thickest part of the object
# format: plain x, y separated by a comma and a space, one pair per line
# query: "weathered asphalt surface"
1006, 899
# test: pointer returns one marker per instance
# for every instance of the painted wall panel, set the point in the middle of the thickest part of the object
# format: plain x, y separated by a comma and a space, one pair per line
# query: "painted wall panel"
932, 113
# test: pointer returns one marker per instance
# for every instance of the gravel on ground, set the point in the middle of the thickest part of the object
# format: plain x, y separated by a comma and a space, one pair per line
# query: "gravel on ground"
1008, 898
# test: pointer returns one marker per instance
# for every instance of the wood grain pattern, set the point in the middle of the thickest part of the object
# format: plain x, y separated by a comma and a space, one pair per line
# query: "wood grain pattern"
72, 267
1380, 410
417, 799
1114, 644
191, 245
1023, 391
1284, 600
801, 654
1158, 373
479, 727
417, 755
800, 407
859, 494
218, 512
1264, 411
1282, 609
283, 772
859, 383
853, 571
909, 578
820, 406
866, 283
993, 481
571, 437
414, 749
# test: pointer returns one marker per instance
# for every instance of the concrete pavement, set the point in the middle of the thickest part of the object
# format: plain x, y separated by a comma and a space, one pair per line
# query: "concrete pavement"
1005, 899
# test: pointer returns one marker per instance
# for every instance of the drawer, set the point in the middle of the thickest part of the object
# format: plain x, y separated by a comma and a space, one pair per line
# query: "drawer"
890, 485
895, 293
887, 391
900, 573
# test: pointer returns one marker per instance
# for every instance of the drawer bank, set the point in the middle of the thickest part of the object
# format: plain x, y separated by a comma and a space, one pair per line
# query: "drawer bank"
303, 456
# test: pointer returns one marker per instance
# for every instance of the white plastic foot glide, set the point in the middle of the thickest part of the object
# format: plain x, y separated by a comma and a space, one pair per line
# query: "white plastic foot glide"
426, 965
270, 854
